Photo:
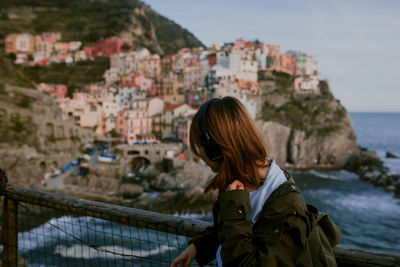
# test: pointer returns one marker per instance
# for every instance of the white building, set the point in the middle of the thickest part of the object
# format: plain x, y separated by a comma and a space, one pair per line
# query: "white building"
24, 43
261, 59
235, 63
204, 58
111, 75
223, 59
250, 102
127, 94
248, 69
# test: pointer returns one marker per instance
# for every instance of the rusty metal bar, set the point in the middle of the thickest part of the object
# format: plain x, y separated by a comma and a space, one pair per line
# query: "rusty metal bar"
345, 256
10, 232
119, 214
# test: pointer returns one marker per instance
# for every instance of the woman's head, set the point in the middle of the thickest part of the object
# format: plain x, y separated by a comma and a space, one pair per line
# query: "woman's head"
224, 135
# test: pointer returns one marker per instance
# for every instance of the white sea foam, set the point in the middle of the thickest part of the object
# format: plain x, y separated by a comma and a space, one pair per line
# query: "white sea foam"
84, 252
358, 202
195, 216
335, 175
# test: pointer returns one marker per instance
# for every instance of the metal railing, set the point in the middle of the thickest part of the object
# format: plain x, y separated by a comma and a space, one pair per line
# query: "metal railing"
47, 229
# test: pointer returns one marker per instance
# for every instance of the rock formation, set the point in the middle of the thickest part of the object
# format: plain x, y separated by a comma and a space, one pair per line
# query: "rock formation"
312, 131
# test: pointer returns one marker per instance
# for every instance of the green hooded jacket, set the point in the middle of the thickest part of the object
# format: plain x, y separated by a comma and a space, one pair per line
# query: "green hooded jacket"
280, 237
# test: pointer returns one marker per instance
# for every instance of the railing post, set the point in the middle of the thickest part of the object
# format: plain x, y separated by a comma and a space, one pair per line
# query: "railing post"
10, 232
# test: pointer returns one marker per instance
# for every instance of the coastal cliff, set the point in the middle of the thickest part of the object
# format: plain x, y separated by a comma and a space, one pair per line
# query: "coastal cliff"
304, 131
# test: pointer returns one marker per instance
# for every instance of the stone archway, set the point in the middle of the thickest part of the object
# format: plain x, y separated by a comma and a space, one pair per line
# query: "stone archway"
138, 162
133, 152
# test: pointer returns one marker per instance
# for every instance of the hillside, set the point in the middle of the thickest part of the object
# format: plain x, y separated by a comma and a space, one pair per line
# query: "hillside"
90, 21
33, 135
86, 21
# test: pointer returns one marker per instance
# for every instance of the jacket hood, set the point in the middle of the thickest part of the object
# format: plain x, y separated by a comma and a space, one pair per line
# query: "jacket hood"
275, 177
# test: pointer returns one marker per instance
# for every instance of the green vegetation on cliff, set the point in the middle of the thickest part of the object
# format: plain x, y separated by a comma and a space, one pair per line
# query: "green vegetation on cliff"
90, 21
74, 75
76, 20
170, 37
319, 114
9, 73
87, 21
18, 130
78, 74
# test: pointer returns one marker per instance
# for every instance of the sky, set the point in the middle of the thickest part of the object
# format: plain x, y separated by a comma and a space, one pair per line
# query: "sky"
356, 42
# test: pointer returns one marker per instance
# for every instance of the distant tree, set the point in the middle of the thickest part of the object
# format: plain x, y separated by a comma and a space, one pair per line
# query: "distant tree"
71, 90
113, 133
126, 47
12, 56
3, 15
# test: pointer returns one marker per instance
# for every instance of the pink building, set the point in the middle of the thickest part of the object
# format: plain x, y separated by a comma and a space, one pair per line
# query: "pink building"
281, 62
51, 37
271, 49
11, 43
191, 60
107, 47
140, 81
61, 91
182, 129
135, 123
238, 46
55, 90
167, 63
250, 86
150, 66
288, 63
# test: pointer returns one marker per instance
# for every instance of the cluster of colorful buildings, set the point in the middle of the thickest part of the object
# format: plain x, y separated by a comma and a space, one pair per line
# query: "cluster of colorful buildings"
146, 97
46, 48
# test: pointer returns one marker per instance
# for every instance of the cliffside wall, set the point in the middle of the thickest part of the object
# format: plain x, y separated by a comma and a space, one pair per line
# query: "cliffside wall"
304, 130
34, 137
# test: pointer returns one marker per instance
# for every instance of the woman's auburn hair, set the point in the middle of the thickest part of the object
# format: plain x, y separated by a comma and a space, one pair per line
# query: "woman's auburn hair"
231, 128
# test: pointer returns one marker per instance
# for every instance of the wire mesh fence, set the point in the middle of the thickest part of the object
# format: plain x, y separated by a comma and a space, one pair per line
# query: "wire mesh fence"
43, 229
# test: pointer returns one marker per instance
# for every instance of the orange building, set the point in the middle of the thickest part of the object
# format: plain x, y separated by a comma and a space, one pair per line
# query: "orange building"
11, 43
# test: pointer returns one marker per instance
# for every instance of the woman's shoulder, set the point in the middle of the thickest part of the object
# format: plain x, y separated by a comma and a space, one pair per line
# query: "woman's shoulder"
286, 198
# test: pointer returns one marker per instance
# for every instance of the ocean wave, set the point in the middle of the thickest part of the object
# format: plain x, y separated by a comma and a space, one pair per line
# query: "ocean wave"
334, 175
358, 203
78, 251
205, 216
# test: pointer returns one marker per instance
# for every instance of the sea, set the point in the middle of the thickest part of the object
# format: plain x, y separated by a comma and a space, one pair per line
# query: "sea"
368, 216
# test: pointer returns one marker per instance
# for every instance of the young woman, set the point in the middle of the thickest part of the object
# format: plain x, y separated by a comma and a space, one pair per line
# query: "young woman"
260, 218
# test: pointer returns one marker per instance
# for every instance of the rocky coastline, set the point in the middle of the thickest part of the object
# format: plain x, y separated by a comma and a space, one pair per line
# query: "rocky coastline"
181, 189
371, 168
178, 188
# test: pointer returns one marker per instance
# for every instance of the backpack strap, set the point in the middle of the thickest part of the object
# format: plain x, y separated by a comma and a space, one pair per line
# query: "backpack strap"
327, 226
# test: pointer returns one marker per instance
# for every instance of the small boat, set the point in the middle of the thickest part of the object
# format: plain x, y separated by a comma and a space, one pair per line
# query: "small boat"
106, 158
